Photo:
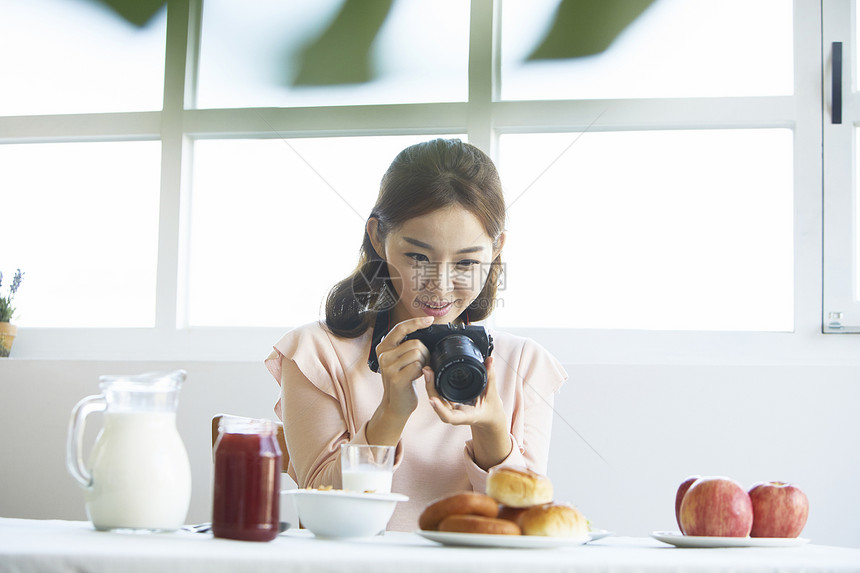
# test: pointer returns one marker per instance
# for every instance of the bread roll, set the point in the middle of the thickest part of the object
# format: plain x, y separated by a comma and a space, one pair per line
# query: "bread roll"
457, 504
553, 520
516, 487
479, 524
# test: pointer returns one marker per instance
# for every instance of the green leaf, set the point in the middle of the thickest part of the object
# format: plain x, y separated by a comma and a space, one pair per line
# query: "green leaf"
587, 27
341, 54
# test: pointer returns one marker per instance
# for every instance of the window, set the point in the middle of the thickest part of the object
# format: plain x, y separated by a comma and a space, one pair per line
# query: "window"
660, 215
77, 57
252, 54
85, 231
673, 48
841, 308
271, 217
674, 240
680, 212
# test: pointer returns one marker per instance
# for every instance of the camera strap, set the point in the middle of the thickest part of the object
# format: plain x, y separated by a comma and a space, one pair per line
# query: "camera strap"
380, 329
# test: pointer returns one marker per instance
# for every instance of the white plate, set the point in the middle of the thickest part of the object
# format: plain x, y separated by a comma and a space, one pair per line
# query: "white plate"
677, 539
596, 534
509, 541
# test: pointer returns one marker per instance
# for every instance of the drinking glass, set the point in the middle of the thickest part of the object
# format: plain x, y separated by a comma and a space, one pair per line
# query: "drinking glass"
366, 469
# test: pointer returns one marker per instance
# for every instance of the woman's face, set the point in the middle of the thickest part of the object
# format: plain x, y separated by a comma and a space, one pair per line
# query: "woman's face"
438, 263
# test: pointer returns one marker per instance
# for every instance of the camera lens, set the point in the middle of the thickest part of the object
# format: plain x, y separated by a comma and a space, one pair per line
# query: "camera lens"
459, 367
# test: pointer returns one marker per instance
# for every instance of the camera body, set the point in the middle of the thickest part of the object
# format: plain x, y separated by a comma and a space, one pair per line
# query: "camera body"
457, 355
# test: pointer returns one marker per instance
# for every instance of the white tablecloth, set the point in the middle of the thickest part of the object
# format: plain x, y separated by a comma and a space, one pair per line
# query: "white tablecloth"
63, 546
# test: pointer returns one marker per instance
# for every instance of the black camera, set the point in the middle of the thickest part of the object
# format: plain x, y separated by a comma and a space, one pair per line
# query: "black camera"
457, 355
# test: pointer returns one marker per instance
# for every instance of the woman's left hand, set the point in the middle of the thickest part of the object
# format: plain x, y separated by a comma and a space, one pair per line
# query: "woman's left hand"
486, 411
491, 439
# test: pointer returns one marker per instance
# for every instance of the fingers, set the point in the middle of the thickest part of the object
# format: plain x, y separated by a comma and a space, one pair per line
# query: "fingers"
462, 414
401, 330
430, 382
454, 413
489, 362
449, 412
410, 353
394, 354
443, 408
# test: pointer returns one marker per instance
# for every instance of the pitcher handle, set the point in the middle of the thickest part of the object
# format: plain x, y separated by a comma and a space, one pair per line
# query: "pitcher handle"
75, 439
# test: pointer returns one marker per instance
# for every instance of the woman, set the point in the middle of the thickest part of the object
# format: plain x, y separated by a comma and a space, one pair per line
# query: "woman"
431, 254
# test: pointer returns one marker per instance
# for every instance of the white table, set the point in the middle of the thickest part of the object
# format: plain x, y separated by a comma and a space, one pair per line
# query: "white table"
65, 546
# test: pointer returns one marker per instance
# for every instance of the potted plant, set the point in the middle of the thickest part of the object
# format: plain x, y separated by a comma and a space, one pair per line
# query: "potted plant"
7, 330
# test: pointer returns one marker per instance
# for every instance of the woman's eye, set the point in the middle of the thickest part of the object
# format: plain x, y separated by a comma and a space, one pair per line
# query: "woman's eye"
418, 257
466, 264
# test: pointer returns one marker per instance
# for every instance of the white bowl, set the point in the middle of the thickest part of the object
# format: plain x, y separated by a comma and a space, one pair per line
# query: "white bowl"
338, 513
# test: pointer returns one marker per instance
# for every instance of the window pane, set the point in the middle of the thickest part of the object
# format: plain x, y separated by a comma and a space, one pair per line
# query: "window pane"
675, 48
680, 230
81, 221
66, 56
276, 223
251, 52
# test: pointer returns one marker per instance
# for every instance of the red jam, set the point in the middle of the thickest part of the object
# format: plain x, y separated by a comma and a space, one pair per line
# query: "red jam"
247, 484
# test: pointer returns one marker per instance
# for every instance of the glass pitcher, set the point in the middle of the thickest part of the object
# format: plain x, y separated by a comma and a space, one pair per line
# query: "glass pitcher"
139, 476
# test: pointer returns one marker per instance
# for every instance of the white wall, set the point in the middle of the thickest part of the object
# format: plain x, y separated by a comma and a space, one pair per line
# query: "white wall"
653, 425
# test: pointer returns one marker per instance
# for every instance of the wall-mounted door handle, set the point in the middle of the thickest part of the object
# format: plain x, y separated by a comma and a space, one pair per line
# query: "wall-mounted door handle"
836, 85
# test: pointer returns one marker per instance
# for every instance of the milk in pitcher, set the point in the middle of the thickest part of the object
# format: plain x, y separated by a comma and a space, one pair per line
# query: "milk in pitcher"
141, 477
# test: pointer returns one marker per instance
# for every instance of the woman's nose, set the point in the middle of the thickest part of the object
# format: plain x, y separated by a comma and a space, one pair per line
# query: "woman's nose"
440, 278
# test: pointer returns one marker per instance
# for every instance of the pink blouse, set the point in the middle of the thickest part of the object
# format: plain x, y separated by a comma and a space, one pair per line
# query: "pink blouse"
332, 403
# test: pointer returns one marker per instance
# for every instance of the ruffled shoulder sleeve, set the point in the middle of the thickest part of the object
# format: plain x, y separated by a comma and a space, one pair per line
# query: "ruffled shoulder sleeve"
318, 353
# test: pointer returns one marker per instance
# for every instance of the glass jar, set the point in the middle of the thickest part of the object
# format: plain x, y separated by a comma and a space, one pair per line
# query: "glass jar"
247, 481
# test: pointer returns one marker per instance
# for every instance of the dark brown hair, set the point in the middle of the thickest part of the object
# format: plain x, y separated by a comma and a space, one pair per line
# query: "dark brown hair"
422, 178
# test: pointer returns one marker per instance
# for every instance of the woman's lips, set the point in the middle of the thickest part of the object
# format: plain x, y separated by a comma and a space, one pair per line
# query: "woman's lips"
435, 309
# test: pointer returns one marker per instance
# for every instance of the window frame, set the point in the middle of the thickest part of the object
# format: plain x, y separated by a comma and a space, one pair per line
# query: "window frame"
484, 118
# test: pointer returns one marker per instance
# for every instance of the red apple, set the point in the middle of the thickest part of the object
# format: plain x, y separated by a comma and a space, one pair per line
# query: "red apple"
716, 507
682, 489
779, 509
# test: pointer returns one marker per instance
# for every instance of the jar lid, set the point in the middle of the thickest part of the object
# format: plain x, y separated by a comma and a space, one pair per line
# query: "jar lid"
242, 425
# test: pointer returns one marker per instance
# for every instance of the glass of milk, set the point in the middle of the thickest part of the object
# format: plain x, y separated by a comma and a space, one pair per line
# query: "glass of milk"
366, 469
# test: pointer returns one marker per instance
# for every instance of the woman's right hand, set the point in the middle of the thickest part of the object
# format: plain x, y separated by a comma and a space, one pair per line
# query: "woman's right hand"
400, 363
